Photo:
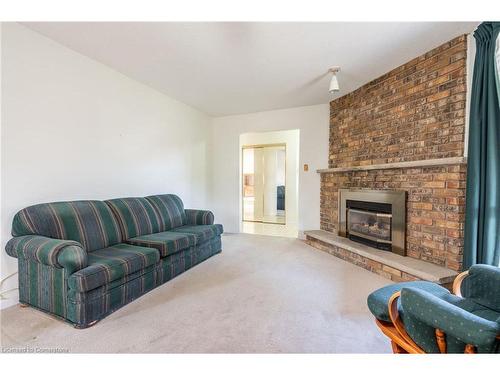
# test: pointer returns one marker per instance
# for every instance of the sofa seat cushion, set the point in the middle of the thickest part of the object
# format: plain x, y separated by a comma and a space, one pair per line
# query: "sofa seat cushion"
112, 263
148, 276
167, 243
379, 299
202, 232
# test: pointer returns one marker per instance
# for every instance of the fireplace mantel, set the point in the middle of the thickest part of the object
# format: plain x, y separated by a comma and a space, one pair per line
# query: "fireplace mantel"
405, 164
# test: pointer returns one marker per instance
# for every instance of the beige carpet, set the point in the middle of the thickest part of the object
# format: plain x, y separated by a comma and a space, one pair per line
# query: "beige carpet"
260, 295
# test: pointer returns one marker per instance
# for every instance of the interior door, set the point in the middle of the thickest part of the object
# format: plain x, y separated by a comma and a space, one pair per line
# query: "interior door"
264, 184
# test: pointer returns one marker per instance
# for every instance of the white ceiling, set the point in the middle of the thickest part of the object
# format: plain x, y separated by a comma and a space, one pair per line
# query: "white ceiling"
232, 68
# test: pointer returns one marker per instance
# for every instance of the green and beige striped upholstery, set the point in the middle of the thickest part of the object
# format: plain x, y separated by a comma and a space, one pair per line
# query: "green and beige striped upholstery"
87, 307
202, 232
177, 263
136, 216
51, 252
90, 223
82, 260
167, 243
112, 263
170, 209
199, 217
44, 287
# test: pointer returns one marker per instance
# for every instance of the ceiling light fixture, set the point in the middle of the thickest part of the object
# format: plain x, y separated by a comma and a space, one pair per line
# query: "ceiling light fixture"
334, 83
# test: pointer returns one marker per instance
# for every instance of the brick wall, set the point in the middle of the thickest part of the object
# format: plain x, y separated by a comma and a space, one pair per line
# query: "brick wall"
414, 112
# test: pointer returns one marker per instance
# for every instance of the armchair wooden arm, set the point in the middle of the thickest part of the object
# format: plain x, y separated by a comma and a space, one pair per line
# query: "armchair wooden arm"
404, 340
457, 283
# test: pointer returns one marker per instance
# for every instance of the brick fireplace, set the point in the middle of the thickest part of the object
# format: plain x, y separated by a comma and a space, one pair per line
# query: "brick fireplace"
403, 131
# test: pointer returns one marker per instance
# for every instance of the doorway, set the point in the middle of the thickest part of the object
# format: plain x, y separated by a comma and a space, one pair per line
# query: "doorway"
264, 183
269, 183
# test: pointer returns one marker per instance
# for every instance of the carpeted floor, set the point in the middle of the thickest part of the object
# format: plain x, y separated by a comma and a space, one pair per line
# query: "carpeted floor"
260, 295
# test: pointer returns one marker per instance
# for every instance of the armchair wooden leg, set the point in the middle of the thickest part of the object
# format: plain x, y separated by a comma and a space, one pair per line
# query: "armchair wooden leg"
470, 349
441, 340
396, 349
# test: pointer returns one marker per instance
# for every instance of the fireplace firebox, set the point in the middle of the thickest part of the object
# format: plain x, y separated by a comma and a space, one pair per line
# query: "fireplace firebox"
374, 217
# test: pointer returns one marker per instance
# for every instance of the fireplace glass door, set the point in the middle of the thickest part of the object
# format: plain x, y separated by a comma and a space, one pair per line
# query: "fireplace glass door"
376, 218
370, 225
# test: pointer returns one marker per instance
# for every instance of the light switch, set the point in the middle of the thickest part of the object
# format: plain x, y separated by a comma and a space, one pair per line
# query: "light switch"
306, 167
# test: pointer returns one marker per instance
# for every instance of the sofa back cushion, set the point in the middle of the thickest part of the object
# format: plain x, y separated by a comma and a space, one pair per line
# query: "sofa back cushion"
90, 223
170, 209
137, 216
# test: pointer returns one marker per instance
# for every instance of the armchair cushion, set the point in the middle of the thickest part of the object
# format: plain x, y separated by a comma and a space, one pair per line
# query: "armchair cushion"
424, 312
202, 232
167, 243
49, 251
112, 263
482, 285
379, 299
199, 217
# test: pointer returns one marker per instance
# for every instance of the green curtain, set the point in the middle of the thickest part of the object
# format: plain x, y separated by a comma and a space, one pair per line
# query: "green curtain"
482, 211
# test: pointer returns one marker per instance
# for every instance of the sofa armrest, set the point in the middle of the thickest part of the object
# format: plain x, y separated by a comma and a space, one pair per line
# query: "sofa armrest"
66, 254
199, 217
437, 313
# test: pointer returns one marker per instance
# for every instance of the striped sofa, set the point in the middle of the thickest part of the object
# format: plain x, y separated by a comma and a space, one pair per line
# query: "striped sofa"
82, 260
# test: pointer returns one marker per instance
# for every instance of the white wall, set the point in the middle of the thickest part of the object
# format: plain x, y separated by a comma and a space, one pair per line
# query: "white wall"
312, 121
73, 128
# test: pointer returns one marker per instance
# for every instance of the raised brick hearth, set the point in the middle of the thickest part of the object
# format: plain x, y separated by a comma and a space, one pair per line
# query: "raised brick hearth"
387, 264
381, 136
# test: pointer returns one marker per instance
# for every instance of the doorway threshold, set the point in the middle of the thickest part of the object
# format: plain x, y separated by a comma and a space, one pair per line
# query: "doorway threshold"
279, 230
